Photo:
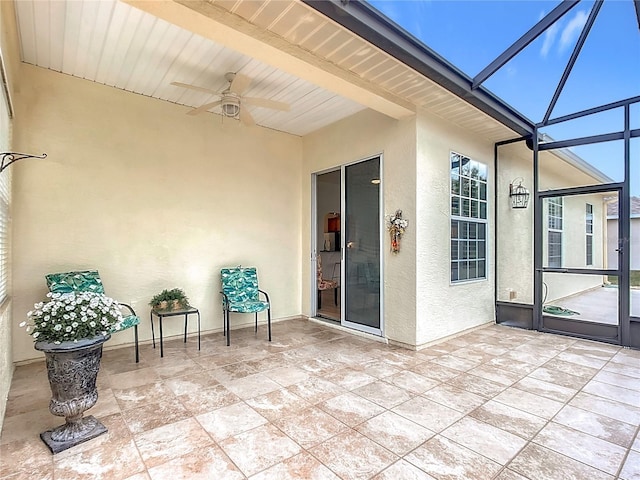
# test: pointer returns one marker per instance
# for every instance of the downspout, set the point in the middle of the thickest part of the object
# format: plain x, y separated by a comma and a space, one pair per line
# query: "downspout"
495, 215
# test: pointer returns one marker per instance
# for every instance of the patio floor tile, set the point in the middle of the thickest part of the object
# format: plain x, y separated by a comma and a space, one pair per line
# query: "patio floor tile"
260, 448
352, 456
394, 432
541, 463
584, 448
403, 470
310, 427
492, 442
202, 464
444, 459
319, 404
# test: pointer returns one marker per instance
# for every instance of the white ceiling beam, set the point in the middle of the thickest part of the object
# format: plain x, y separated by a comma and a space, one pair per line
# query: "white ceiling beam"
219, 25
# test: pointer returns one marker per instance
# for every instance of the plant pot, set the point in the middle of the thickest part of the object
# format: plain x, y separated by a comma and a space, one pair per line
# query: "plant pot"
72, 368
168, 305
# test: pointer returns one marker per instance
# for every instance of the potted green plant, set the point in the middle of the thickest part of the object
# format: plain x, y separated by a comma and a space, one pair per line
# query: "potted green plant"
174, 299
71, 328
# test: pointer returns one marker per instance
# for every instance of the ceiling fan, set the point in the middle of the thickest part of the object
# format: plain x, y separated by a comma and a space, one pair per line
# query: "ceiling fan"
231, 100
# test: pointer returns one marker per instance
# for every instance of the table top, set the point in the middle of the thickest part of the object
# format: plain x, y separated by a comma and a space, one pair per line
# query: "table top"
179, 311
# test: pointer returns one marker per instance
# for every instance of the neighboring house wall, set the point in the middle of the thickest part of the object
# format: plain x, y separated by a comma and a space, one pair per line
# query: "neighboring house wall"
359, 137
151, 197
561, 285
612, 242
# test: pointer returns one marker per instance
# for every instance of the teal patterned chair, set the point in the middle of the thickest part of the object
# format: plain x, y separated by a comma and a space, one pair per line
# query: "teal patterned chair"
89, 281
240, 294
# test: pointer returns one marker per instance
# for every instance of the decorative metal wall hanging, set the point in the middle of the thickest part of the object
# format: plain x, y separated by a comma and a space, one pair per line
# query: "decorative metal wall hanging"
10, 157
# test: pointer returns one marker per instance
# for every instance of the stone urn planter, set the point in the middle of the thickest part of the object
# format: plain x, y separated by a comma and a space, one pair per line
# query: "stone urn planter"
72, 368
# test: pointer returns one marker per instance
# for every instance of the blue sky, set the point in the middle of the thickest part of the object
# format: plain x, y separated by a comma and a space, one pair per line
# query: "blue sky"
471, 34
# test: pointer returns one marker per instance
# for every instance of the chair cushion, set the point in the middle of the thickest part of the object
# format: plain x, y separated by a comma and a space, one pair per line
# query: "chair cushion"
326, 284
129, 321
240, 284
80, 281
248, 306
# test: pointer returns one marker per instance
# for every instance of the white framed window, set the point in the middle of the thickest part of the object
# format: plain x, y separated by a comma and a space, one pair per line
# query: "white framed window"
588, 220
468, 219
554, 232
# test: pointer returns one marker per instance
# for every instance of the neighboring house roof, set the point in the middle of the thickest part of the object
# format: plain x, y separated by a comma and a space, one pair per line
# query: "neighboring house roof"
612, 208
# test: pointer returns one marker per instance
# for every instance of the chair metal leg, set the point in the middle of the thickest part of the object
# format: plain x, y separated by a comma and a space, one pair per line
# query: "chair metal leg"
135, 328
228, 330
319, 299
256, 327
269, 321
335, 296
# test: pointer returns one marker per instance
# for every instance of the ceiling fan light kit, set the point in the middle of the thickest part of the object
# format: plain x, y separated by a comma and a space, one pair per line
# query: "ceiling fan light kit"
231, 102
230, 106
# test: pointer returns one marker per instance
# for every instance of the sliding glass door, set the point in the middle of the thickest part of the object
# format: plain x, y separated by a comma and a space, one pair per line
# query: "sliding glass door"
362, 240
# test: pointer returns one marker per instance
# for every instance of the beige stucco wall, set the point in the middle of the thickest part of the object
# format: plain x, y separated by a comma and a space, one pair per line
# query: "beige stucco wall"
514, 236
440, 311
150, 197
362, 136
515, 227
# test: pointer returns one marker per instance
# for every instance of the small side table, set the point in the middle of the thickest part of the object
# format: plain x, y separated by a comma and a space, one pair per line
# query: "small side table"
172, 313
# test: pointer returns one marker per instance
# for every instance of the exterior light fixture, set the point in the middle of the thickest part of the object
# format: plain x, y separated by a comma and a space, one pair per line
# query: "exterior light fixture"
518, 195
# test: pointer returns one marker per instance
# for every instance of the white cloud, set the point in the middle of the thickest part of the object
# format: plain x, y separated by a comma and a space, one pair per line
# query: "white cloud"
572, 30
549, 38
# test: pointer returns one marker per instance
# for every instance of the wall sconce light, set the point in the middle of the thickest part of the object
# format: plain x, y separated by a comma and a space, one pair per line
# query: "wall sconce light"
518, 194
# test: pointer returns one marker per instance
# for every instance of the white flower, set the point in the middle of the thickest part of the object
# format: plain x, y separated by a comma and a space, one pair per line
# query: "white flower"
58, 319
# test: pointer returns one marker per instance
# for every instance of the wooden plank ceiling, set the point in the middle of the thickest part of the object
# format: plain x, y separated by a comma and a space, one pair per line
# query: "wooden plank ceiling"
325, 72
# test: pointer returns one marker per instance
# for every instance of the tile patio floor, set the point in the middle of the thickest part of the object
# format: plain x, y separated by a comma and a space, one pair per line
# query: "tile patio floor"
317, 403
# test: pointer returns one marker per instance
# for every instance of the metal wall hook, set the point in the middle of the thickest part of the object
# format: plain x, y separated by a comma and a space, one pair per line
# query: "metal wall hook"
9, 157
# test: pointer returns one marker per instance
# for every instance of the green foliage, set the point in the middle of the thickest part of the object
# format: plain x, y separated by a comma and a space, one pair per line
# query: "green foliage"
634, 276
175, 295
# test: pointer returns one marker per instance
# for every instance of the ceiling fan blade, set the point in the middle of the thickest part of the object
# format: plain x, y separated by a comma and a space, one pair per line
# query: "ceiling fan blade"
194, 87
246, 118
204, 108
263, 102
239, 84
